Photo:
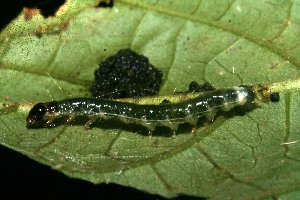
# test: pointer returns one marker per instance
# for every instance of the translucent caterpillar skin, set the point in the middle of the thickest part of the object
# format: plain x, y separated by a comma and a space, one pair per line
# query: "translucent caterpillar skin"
150, 116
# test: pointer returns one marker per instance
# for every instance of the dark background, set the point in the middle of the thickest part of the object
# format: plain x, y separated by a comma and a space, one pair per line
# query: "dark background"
23, 178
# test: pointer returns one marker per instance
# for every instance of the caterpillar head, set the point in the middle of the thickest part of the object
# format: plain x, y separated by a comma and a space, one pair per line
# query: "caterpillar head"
41, 111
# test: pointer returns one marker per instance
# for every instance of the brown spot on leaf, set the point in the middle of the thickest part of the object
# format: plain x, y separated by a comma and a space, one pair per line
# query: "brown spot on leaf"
40, 31
29, 13
51, 30
63, 25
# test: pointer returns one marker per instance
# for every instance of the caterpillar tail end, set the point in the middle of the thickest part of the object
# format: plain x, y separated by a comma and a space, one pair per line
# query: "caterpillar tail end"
263, 94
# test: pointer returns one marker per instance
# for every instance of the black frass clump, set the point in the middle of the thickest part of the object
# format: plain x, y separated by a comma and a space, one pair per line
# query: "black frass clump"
195, 87
126, 74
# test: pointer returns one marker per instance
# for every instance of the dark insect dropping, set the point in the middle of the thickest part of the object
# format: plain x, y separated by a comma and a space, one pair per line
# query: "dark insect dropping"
126, 74
274, 97
195, 87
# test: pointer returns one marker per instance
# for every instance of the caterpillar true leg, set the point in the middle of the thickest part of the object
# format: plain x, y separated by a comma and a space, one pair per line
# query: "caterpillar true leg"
88, 124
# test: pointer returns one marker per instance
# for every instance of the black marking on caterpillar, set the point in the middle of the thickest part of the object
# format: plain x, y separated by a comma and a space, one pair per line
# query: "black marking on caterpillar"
195, 87
168, 115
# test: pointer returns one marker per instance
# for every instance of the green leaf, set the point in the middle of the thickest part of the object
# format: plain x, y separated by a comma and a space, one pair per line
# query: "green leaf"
226, 43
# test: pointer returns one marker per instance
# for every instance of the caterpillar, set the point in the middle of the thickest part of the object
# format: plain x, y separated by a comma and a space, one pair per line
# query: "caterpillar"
166, 114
